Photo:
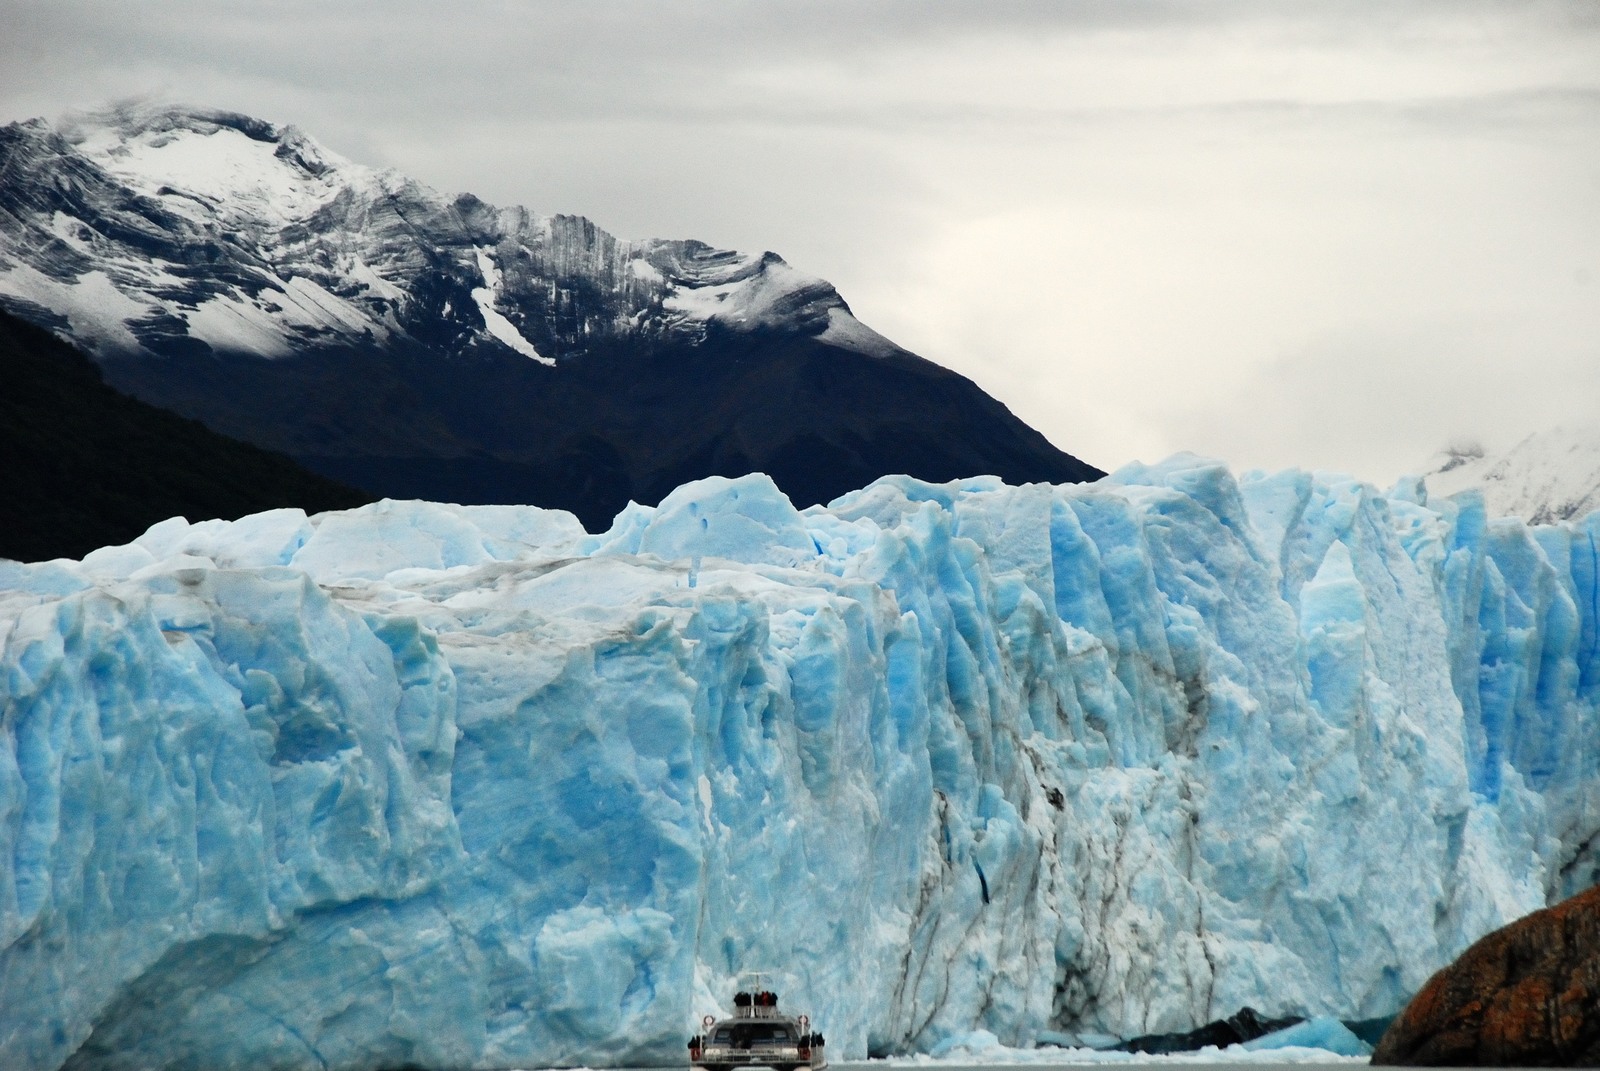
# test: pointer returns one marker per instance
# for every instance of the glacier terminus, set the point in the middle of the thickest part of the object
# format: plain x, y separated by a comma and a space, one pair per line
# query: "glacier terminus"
469, 786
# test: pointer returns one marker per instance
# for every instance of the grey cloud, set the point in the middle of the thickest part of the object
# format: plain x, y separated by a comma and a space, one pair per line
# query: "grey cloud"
1383, 401
866, 141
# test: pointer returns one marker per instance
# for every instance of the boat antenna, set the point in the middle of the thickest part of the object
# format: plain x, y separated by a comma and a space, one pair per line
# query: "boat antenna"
758, 979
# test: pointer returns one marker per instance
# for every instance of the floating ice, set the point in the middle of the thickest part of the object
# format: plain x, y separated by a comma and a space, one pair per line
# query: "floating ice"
1323, 1032
469, 787
982, 1049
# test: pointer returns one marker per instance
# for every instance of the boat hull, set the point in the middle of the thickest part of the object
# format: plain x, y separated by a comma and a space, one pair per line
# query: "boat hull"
761, 1041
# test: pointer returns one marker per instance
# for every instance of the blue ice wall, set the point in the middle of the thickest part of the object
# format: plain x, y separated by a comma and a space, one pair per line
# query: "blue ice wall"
470, 787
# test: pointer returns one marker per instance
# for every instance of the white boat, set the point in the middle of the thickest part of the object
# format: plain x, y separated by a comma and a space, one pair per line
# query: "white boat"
757, 1034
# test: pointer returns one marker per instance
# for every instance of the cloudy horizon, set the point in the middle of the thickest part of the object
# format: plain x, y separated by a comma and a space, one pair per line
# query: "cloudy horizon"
1333, 235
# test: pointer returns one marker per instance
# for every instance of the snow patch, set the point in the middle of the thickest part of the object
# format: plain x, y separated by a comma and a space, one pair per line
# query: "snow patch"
759, 293
233, 322
847, 332
228, 323
497, 325
641, 268
312, 305
72, 232
95, 309
239, 175
360, 272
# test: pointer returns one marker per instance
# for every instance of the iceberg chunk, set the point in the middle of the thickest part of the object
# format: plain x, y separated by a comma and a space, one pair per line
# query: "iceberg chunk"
1323, 1032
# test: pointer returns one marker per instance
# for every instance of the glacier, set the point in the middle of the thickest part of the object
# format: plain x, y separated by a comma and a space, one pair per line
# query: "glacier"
469, 786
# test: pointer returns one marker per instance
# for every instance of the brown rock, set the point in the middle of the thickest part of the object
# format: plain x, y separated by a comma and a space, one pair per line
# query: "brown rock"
1527, 995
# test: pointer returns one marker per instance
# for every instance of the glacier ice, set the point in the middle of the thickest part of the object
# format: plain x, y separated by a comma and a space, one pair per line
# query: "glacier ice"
472, 787
1323, 1032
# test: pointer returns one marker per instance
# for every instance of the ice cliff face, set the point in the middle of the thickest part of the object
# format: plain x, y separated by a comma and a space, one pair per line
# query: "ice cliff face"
147, 230
469, 787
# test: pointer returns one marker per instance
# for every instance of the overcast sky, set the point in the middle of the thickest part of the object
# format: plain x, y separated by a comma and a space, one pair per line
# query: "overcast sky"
1333, 235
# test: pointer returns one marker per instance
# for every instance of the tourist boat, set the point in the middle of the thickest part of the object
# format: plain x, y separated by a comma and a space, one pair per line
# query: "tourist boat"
757, 1034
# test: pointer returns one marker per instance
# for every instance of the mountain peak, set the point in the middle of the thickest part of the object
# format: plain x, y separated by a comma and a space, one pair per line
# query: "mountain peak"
242, 168
122, 126
133, 116
316, 250
1551, 475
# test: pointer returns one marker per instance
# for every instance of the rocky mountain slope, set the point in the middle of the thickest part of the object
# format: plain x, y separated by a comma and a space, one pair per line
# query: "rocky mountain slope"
84, 466
1526, 995
419, 345
1552, 475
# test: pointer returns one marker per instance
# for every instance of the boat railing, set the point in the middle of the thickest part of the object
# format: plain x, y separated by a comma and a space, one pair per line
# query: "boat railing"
762, 1004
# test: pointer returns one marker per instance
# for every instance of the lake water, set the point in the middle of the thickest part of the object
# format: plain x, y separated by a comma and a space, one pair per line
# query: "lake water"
1229, 1063
1210, 1061
1102, 1060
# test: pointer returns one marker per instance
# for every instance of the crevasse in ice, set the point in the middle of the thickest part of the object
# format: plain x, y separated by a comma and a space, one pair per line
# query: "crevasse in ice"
468, 786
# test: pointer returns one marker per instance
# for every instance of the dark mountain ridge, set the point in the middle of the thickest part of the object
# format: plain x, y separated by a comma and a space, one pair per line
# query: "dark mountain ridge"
82, 466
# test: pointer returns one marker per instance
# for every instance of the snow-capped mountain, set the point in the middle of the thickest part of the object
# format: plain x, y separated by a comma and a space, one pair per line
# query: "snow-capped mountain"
179, 229
1550, 476
413, 343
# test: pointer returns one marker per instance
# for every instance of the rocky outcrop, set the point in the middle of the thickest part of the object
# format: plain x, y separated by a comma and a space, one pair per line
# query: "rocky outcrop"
1527, 995
1246, 1024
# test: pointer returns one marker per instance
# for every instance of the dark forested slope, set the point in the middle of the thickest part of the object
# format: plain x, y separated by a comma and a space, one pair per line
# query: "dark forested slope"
82, 466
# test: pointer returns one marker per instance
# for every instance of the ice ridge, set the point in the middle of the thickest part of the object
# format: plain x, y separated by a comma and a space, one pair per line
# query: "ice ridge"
472, 787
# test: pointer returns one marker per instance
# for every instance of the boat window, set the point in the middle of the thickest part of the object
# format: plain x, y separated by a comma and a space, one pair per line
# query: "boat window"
723, 1036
